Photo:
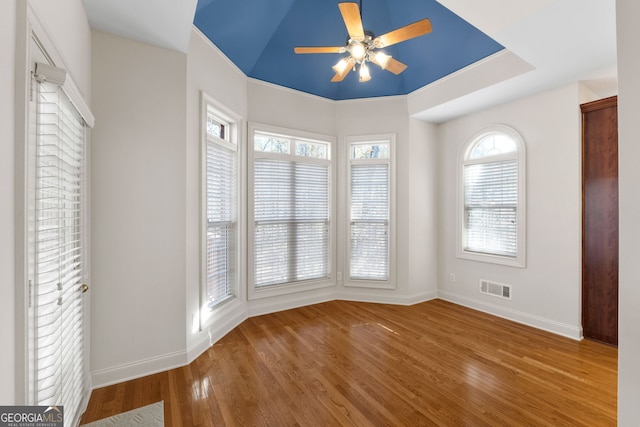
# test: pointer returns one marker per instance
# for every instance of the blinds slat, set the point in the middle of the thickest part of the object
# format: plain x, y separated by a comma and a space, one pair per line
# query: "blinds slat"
58, 252
369, 240
491, 200
221, 188
291, 212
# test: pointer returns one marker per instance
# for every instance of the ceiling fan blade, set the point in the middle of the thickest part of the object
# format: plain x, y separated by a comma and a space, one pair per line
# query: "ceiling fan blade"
353, 22
395, 66
337, 78
320, 49
401, 34
392, 65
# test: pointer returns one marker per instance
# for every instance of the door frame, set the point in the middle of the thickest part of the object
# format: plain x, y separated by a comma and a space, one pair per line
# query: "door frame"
29, 26
586, 108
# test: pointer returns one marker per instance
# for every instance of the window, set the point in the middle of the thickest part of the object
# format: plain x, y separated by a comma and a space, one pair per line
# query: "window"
370, 209
221, 204
290, 241
492, 197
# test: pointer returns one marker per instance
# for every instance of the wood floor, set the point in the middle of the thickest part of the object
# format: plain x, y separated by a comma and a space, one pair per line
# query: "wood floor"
344, 363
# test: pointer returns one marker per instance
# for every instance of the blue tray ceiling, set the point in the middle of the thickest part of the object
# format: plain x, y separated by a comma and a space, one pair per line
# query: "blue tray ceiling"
259, 36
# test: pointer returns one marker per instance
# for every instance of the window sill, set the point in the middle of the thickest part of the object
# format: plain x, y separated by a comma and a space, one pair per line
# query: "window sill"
369, 284
288, 288
493, 259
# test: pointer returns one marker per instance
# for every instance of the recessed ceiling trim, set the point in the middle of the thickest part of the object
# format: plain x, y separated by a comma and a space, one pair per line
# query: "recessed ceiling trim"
494, 69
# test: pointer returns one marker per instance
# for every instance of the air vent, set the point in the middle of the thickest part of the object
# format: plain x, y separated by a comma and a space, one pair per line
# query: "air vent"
496, 289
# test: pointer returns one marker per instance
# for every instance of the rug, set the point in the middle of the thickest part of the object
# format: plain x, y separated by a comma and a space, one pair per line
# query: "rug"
146, 416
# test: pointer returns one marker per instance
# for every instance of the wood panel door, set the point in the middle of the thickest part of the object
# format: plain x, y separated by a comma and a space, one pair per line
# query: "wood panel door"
600, 220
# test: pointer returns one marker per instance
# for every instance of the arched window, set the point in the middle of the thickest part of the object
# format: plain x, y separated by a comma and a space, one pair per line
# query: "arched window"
492, 195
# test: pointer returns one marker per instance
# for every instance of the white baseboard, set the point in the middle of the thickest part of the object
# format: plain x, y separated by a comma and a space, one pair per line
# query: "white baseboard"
271, 305
213, 333
382, 298
137, 369
534, 321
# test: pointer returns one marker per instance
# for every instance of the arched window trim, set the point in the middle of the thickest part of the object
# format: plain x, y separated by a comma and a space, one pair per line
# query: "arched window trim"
519, 260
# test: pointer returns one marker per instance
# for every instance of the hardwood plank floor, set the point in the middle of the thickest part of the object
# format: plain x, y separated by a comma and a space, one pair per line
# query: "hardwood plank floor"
345, 363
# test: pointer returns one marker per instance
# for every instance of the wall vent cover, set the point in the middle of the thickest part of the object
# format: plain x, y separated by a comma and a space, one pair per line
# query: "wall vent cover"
496, 289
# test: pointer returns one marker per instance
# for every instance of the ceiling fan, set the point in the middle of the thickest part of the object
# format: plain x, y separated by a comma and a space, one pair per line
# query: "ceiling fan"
362, 45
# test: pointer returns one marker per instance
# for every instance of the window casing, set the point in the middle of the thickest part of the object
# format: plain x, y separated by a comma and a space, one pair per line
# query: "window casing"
291, 231
370, 210
221, 230
491, 211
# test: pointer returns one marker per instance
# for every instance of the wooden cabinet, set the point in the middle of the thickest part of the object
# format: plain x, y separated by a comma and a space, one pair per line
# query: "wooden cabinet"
600, 220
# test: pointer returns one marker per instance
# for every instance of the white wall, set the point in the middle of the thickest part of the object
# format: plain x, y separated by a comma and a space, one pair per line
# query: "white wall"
138, 209
629, 177
7, 253
546, 293
71, 34
423, 209
210, 72
278, 106
415, 188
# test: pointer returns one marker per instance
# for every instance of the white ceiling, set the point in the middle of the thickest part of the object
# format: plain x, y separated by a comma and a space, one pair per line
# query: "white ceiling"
556, 41
164, 23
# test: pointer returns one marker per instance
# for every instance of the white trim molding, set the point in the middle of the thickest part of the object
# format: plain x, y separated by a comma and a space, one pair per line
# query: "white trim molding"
538, 322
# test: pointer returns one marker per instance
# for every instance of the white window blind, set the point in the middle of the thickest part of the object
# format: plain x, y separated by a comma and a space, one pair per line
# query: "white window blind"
58, 253
490, 207
222, 220
491, 197
369, 240
291, 209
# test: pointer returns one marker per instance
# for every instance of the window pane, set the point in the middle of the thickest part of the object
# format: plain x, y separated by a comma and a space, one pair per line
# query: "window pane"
271, 143
221, 183
493, 144
216, 127
369, 251
290, 252
491, 230
221, 268
311, 149
370, 151
370, 192
291, 210
369, 240
490, 203
221, 202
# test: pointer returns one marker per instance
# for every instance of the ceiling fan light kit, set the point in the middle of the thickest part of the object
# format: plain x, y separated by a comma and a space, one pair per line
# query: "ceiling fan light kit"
364, 73
361, 45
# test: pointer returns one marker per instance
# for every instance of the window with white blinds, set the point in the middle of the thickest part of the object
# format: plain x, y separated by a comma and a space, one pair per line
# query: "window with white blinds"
221, 188
492, 198
291, 209
370, 225
58, 257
